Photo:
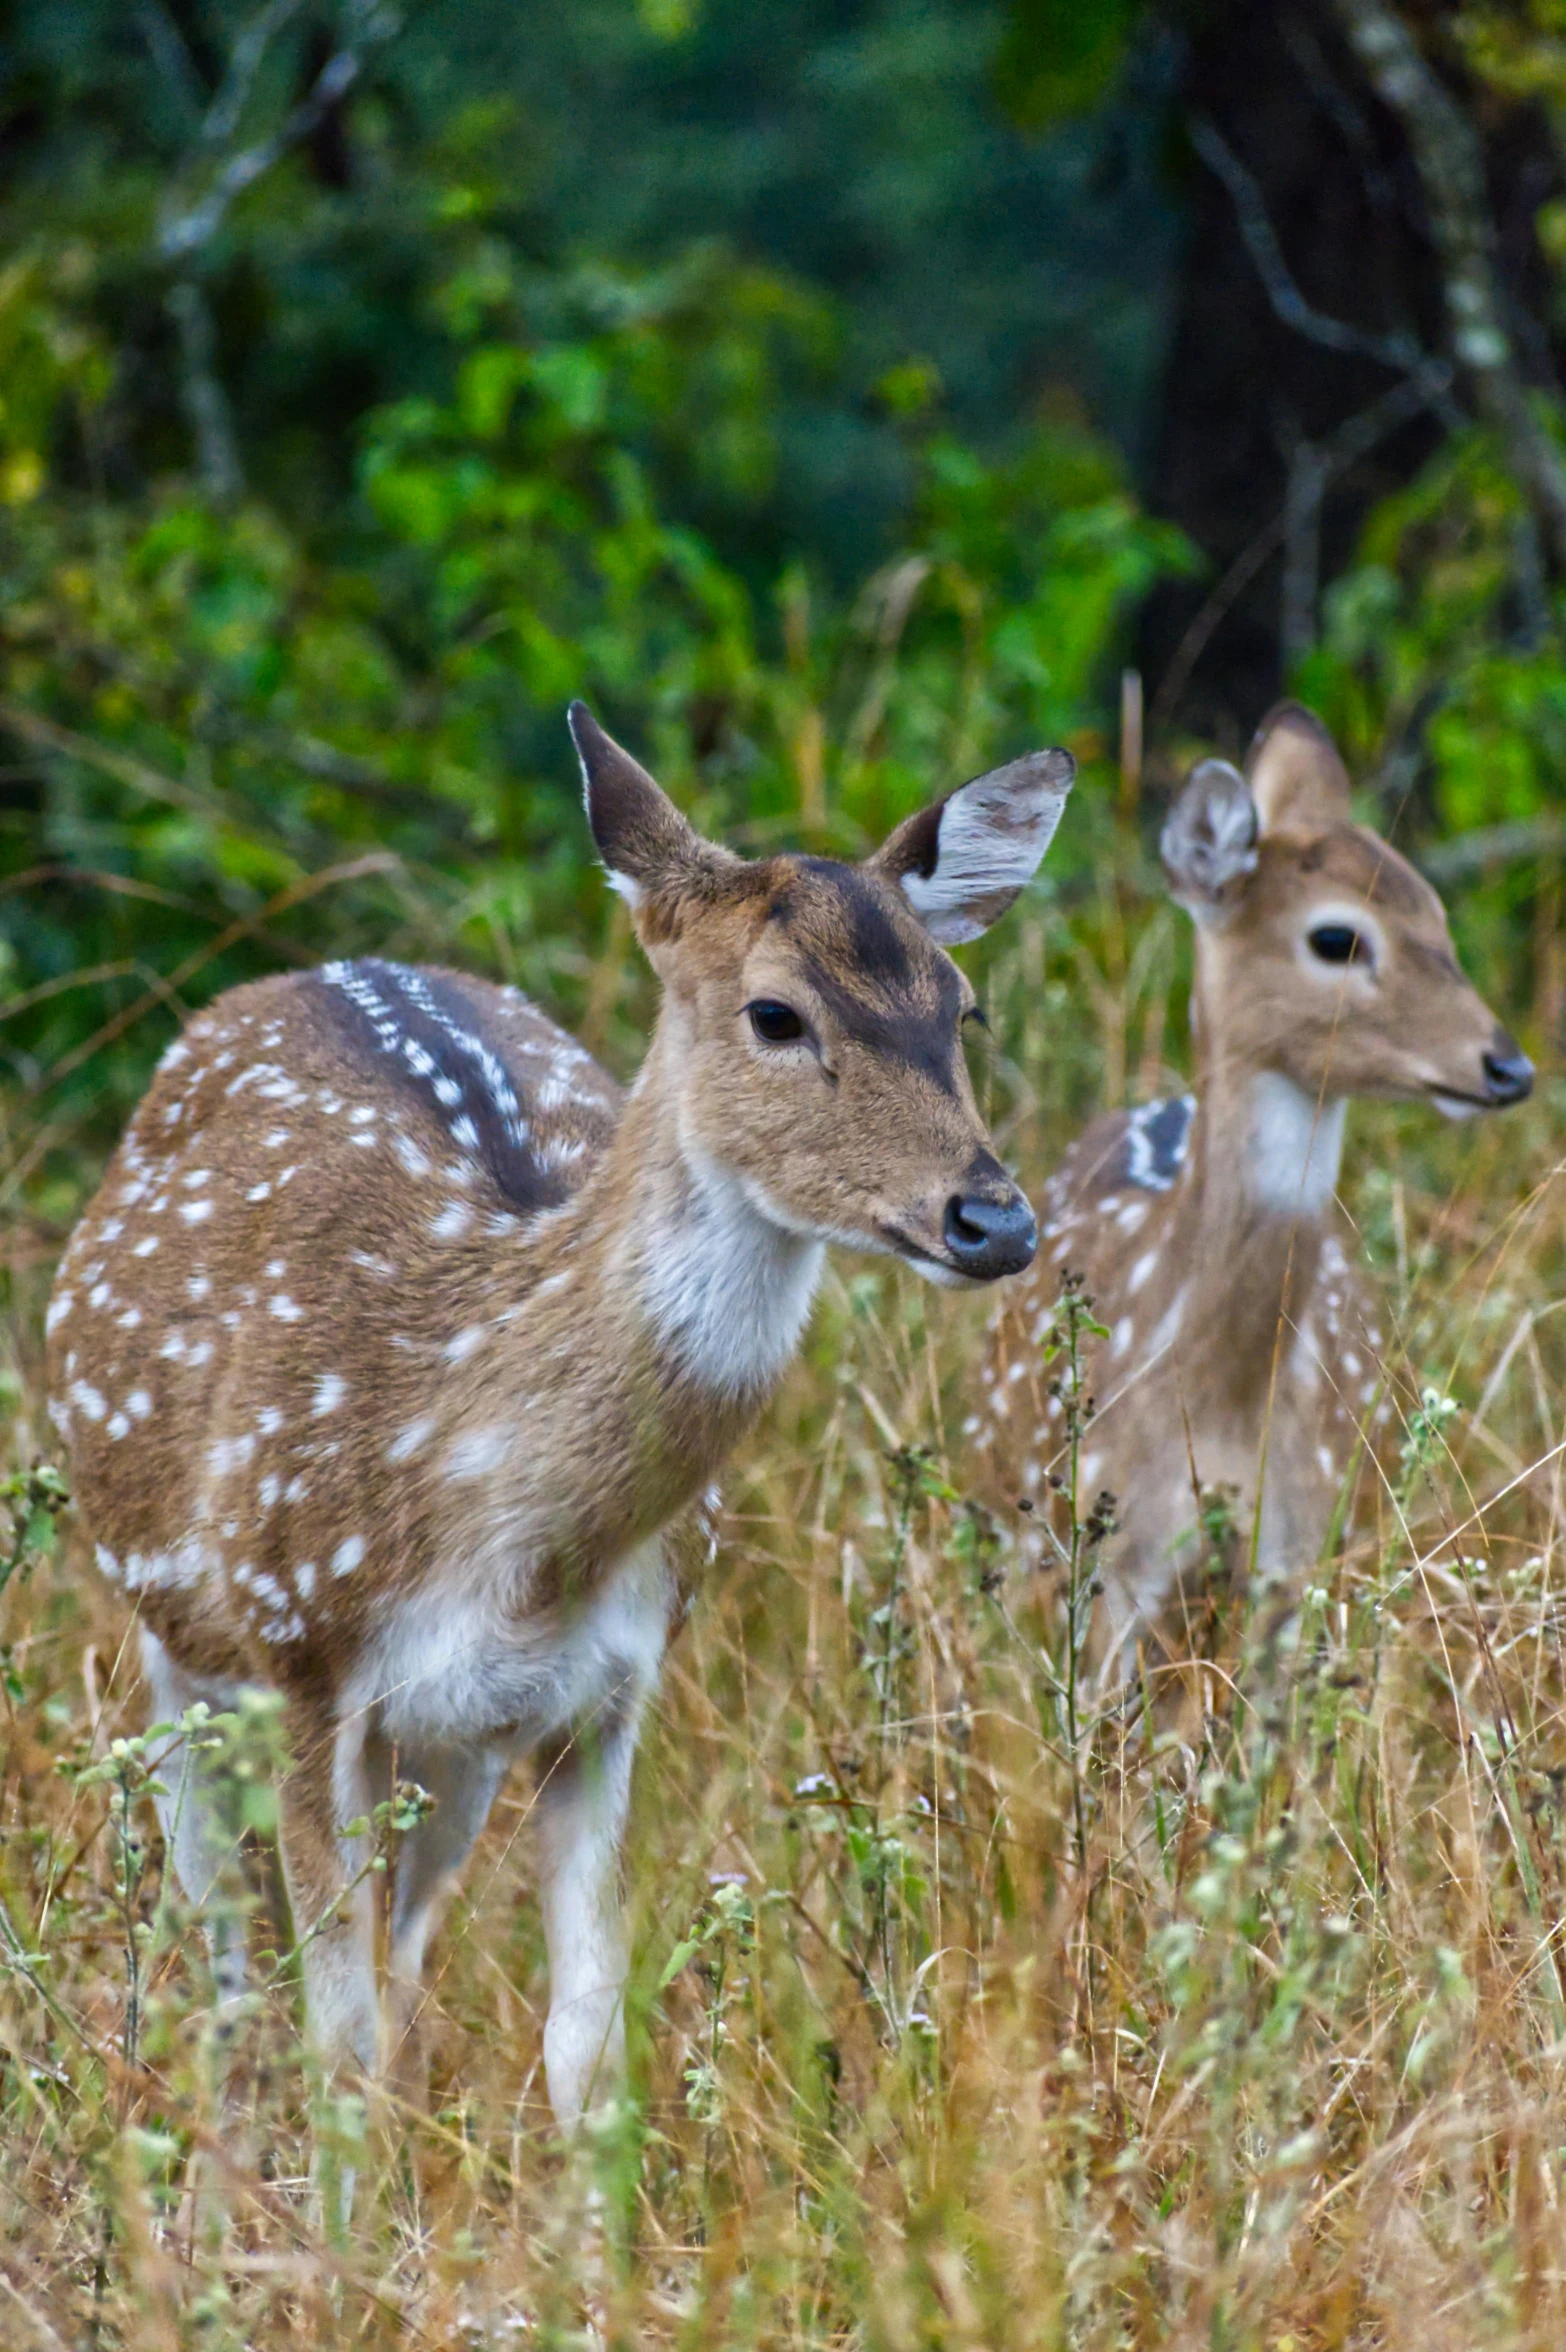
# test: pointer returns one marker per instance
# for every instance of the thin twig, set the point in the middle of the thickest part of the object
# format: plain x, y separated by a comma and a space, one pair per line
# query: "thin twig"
1354, 439
1450, 163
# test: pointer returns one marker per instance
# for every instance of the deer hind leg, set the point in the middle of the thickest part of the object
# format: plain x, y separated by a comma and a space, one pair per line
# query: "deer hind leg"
200, 1838
426, 1871
583, 1797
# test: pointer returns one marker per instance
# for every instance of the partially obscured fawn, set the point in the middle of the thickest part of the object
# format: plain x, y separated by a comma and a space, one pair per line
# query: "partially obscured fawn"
396, 1338
1243, 1352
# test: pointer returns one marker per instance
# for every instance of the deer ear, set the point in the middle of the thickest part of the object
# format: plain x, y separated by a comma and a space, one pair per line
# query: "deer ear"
1208, 843
1298, 781
962, 861
646, 845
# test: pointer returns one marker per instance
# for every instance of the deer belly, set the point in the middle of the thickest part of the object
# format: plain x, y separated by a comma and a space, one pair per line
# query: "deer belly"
452, 1666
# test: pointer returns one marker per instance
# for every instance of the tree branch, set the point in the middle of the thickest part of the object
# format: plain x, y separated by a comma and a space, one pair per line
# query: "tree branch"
186, 231
171, 57
1447, 156
1354, 439
1480, 852
206, 402
189, 225
1397, 351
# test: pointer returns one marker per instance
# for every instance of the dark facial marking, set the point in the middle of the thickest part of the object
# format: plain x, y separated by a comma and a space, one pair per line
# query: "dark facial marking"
875, 946
902, 1009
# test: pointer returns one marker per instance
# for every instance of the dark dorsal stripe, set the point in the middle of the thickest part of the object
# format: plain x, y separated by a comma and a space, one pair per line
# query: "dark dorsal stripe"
1154, 1145
434, 1039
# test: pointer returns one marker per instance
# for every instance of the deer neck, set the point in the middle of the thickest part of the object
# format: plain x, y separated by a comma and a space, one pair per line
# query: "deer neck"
709, 1276
650, 1317
1262, 1174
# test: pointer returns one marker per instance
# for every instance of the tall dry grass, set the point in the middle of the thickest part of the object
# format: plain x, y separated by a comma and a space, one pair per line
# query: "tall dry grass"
1246, 2032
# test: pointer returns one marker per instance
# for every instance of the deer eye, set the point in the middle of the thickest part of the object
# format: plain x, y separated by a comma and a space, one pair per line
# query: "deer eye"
775, 1024
1338, 943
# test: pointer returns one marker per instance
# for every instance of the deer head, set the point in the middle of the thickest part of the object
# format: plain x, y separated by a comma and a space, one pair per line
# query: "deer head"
1321, 954
812, 1026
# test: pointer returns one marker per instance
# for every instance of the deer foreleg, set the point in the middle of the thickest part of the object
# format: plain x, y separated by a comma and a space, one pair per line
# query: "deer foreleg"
330, 1892
582, 1805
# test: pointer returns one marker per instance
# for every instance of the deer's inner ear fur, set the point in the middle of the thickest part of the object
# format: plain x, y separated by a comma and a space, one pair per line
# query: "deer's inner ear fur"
1297, 779
652, 855
961, 862
1209, 840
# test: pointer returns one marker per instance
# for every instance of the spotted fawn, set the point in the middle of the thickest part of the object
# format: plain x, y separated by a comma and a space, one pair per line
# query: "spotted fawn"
397, 1337
1243, 1351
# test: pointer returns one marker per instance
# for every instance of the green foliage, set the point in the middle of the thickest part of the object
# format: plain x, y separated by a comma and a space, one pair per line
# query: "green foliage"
1060, 56
269, 740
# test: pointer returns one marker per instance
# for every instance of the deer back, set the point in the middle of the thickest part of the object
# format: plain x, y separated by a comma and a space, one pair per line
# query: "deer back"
279, 1300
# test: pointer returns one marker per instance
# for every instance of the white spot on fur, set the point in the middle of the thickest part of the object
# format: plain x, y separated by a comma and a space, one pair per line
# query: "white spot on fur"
330, 1391
1164, 1333
59, 1307
196, 1212
230, 1453
372, 1265
466, 1343
1304, 1362
454, 1219
145, 1249
409, 1440
478, 1452
89, 1400
1122, 1336
285, 1310
347, 1556
118, 1425
139, 1405
1140, 1272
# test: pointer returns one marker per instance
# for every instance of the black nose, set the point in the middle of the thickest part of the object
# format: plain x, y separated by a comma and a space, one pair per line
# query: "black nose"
1508, 1073
990, 1237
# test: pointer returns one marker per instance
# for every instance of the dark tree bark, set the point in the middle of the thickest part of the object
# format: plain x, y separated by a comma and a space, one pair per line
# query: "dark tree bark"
1253, 404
